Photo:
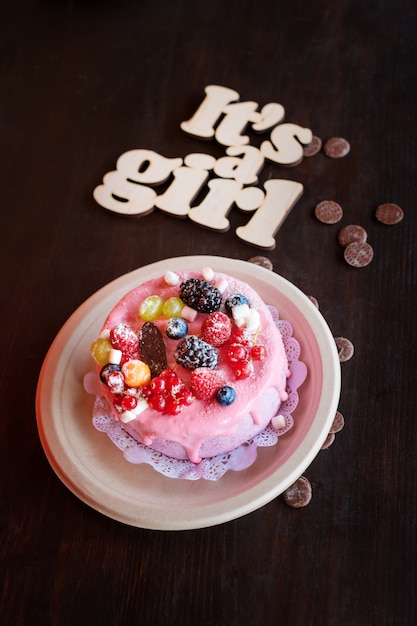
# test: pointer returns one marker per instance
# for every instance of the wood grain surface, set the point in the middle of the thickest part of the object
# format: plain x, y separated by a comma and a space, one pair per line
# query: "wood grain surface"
81, 84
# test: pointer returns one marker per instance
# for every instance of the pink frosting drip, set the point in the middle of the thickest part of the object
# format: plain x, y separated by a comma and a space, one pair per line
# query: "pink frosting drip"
205, 428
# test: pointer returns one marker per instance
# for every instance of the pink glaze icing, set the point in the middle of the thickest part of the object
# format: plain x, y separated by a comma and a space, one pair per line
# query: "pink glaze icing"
205, 428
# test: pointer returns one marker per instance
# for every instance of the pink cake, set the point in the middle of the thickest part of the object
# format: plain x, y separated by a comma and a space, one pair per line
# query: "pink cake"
192, 364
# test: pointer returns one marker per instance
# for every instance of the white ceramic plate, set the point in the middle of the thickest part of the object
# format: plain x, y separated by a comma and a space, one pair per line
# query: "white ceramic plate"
88, 463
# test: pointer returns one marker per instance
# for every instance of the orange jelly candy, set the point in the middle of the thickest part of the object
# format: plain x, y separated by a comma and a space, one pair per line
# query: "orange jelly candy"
136, 373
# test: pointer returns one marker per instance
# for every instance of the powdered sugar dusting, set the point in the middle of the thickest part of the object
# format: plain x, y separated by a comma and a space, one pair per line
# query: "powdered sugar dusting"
215, 467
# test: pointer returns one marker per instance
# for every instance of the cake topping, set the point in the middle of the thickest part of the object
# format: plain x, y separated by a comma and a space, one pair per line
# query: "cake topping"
225, 395
235, 300
151, 308
176, 328
167, 393
205, 382
123, 338
172, 307
200, 295
216, 328
171, 278
193, 352
152, 348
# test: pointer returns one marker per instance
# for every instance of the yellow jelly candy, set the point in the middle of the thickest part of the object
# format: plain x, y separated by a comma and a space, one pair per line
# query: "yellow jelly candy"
100, 350
136, 373
173, 307
151, 308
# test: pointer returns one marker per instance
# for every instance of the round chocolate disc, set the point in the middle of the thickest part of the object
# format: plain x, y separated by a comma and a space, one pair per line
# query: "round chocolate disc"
262, 261
338, 423
313, 147
389, 213
299, 493
345, 348
328, 212
336, 147
358, 254
349, 234
328, 441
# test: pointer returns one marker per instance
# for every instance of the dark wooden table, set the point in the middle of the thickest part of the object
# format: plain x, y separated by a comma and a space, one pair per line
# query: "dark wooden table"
81, 84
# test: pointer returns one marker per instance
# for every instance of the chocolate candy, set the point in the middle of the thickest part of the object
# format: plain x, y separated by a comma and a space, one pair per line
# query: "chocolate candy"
351, 233
313, 147
328, 212
152, 348
338, 423
358, 254
389, 214
314, 301
299, 493
328, 441
345, 348
336, 147
262, 261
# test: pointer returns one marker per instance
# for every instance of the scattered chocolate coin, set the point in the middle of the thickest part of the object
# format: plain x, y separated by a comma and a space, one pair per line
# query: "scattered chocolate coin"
345, 348
313, 147
328, 441
349, 234
336, 147
389, 213
328, 212
359, 254
314, 301
338, 423
263, 261
299, 493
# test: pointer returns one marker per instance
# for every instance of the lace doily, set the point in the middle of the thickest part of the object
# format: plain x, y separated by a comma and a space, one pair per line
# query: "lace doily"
214, 467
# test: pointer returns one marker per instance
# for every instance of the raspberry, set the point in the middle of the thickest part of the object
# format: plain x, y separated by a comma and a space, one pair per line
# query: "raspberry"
193, 352
200, 295
204, 383
216, 329
124, 338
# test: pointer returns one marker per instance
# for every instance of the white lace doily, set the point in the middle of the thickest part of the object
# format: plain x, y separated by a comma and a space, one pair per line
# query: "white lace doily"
214, 467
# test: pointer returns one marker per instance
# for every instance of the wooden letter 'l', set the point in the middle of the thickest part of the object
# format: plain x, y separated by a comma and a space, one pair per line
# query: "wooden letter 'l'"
281, 196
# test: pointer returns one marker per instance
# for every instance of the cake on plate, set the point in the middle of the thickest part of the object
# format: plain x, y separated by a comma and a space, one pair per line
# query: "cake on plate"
192, 364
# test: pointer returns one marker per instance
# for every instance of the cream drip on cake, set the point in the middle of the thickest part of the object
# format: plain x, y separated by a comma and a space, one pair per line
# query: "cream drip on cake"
192, 363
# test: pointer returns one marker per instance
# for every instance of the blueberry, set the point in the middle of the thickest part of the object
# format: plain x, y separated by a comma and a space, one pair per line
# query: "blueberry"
235, 300
176, 328
225, 395
108, 369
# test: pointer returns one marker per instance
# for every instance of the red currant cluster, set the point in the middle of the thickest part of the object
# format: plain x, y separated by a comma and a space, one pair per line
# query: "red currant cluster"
241, 353
167, 393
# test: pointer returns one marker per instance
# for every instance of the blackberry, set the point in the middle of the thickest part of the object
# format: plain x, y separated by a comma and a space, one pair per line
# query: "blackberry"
193, 352
200, 295
235, 300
